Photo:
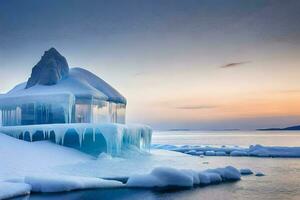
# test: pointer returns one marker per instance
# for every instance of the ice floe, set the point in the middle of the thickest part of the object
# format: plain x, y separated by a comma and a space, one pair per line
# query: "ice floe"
246, 171
253, 150
170, 177
238, 153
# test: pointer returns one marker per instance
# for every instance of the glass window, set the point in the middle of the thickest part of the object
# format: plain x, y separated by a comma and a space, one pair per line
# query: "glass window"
82, 113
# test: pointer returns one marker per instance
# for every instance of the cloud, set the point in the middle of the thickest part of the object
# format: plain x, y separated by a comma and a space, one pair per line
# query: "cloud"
235, 64
196, 107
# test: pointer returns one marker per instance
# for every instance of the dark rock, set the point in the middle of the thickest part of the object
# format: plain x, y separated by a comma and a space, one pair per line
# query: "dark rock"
259, 174
52, 68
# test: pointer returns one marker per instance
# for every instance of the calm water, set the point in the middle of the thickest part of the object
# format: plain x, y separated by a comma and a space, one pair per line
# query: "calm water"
282, 180
241, 138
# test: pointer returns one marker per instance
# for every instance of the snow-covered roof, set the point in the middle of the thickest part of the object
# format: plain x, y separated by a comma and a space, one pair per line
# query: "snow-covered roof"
52, 76
80, 83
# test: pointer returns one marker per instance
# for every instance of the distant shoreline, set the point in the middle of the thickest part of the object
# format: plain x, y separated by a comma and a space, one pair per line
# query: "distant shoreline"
186, 129
291, 128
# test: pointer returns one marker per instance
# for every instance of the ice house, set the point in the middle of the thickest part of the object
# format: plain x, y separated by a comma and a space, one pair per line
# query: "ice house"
72, 107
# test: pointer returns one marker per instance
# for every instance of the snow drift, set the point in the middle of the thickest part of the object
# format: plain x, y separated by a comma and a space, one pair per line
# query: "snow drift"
67, 183
169, 177
10, 190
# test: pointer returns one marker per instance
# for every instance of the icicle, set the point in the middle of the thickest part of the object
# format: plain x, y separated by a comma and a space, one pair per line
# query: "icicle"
30, 135
94, 134
81, 134
118, 137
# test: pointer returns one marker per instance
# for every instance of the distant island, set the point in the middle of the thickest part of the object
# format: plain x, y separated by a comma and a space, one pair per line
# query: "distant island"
227, 129
291, 128
186, 129
179, 129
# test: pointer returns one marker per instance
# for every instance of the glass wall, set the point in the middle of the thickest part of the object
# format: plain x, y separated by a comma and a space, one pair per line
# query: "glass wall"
39, 113
29, 114
117, 112
81, 111
11, 116
100, 112
121, 113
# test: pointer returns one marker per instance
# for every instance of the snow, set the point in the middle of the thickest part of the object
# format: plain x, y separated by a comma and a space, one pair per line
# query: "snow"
116, 136
46, 167
9, 190
68, 183
79, 83
210, 153
253, 150
20, 158
53, 70
204, 178
99, 84
238, 153
52, 183
263, 151
220, 153
212, 178
160, 177
228, 173
32, 166
169, 177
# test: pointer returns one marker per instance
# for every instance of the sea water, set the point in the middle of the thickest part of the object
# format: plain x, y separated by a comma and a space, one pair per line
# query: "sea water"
219, 138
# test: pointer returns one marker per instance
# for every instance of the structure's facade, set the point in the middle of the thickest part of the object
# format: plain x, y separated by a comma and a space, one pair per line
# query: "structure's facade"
70, 107
55, 94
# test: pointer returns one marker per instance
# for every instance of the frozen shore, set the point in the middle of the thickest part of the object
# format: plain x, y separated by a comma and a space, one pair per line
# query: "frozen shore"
46, 167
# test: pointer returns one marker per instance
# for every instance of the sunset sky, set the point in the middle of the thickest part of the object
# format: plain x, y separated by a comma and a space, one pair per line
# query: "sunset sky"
198, 64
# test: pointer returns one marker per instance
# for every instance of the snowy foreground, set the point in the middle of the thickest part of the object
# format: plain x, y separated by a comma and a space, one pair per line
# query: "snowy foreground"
158, 178
256, 150
46, 167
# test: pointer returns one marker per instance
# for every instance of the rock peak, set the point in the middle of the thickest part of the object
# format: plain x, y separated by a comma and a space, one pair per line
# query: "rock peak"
52, 50
52, 68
